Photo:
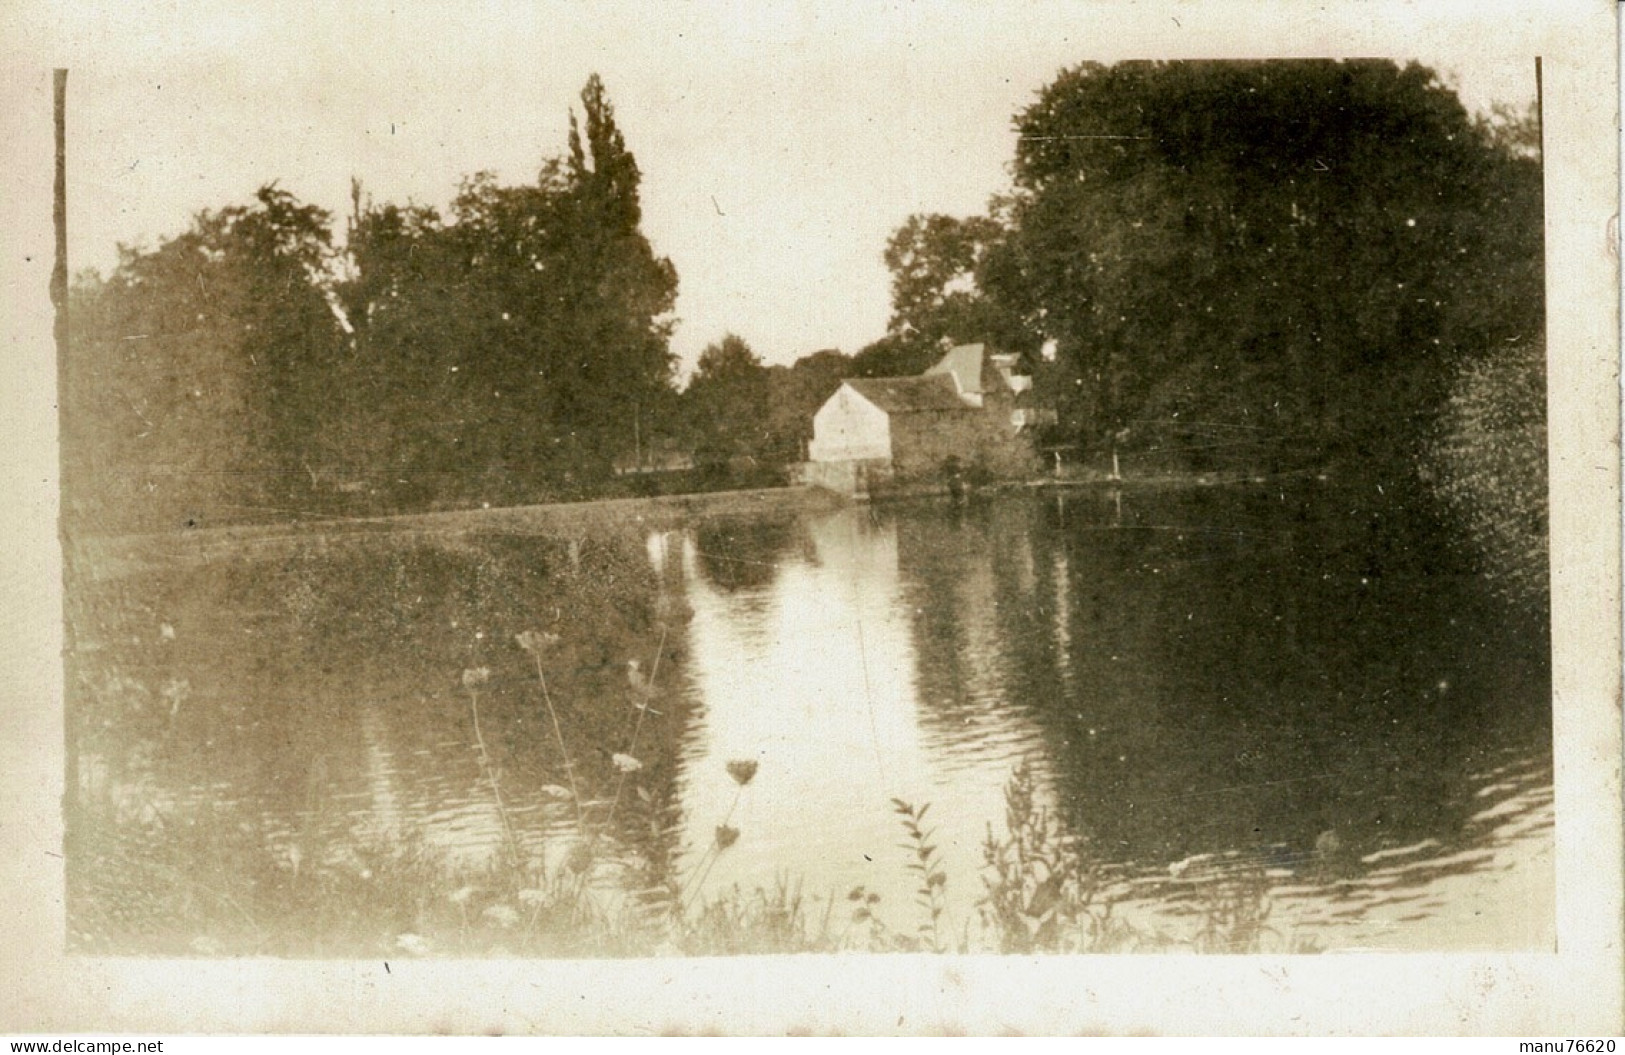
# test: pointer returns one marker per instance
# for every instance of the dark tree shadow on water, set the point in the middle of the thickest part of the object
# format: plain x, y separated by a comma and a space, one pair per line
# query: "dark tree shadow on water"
738, 555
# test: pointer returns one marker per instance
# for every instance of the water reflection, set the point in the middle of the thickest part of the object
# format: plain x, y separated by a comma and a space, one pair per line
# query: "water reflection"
813, 676
1211, 685
1242, 699
325, 730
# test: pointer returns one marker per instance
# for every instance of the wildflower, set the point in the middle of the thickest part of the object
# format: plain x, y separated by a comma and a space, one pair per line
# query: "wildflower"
476, 677
534, 641
461, 895
742, 770
726, 836
554, 791
625, 763
532, 896
501, 915
166, 632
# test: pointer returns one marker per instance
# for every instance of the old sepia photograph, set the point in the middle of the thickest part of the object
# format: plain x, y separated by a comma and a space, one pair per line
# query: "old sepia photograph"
598, 486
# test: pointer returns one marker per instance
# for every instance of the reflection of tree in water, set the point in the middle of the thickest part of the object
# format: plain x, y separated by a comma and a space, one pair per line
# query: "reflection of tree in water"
739, 554
1330, 679
1229, 669
945, 556
261, 702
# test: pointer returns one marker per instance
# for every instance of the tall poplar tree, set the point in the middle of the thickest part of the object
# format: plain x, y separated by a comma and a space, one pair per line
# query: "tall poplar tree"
615, 377
533, 324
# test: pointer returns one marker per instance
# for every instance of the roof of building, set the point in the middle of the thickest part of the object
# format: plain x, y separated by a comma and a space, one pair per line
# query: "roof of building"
910, 395
971, 368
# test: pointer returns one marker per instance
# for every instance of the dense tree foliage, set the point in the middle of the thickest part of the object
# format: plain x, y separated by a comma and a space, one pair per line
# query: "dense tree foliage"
795, 394
934, 261
197, 380
514, 349
1306, 251
1264, 264
537, 317
725, 402
745, 417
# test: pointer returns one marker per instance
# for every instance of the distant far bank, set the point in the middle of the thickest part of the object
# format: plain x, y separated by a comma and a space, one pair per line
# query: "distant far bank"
112, 556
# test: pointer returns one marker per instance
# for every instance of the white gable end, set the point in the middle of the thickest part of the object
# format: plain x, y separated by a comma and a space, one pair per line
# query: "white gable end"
849, 428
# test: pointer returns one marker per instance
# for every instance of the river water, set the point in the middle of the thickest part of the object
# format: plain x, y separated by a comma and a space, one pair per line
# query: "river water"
1299, 698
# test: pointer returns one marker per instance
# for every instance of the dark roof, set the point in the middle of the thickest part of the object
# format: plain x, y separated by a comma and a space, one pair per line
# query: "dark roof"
910, 395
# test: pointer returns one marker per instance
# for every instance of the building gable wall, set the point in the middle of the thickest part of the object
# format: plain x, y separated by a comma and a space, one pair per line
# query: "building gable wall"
850, 428
925, 430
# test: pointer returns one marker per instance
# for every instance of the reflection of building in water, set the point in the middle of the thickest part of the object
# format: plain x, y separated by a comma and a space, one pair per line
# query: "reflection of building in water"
660, 545
1195, 680
822, 674
956, 619
810, 674
818, 666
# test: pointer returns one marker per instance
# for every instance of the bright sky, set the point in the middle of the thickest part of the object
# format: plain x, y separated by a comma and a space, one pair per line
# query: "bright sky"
780, 142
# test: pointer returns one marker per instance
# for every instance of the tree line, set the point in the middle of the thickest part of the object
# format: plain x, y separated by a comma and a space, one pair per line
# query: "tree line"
1304, 255
1277, 266
1300, 267
510, 349
1264, 266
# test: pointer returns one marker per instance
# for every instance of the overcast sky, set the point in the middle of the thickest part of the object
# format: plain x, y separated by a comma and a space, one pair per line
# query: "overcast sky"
780, 143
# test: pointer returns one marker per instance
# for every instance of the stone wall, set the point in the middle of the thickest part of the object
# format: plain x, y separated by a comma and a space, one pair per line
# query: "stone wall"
854, 478
978, 440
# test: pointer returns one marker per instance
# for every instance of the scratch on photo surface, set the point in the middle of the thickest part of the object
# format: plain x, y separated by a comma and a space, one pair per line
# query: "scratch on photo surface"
863, 661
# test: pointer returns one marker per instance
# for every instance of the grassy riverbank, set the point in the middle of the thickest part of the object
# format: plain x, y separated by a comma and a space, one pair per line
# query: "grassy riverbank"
105, 556
112, 556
